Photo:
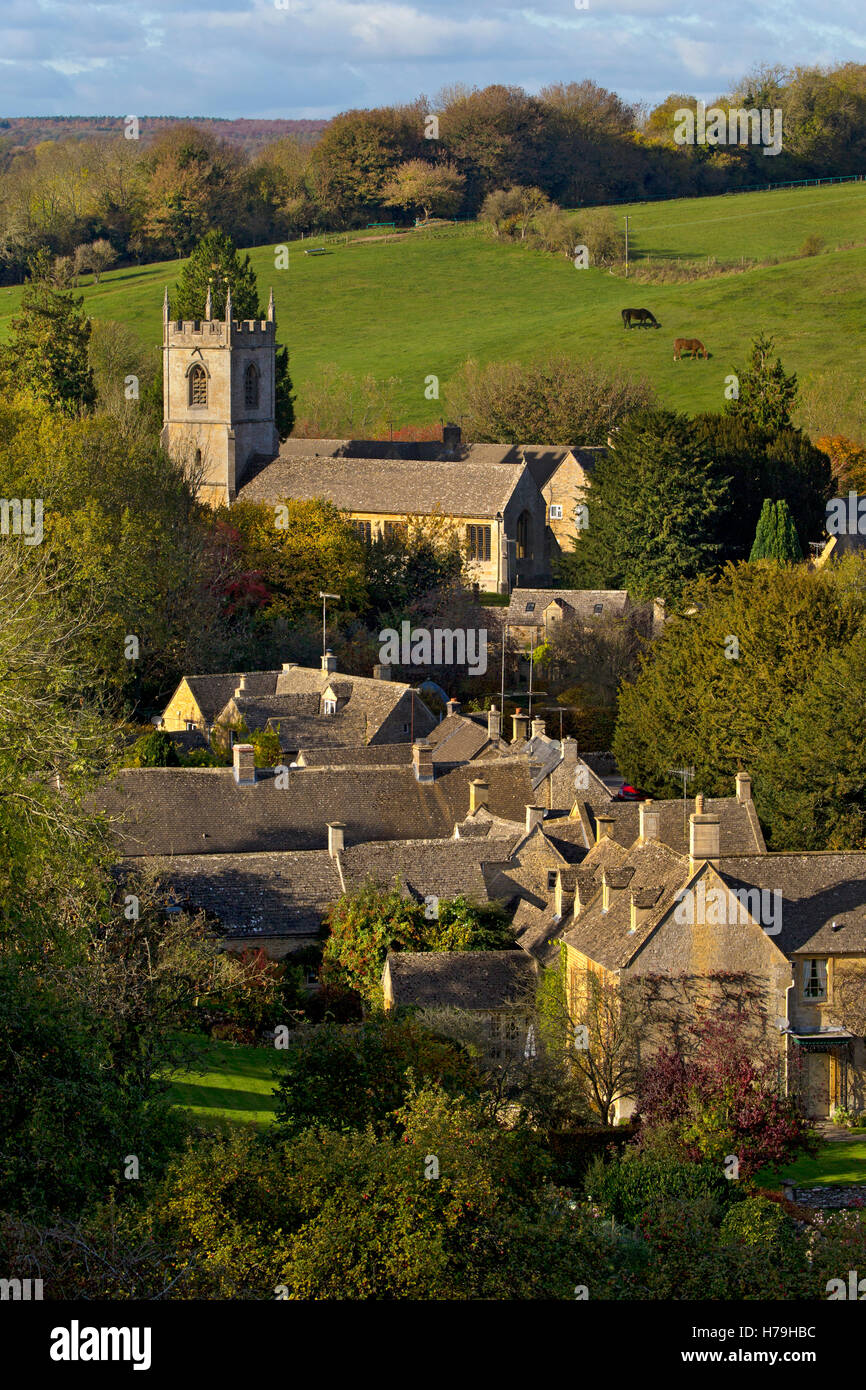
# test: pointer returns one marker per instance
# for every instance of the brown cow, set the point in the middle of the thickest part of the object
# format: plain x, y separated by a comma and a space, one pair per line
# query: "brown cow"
691, 345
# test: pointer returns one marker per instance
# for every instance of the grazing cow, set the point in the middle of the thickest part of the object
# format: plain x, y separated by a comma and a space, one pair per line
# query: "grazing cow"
630, 316
694, 346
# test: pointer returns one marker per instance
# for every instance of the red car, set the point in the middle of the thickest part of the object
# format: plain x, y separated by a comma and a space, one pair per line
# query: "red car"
628, 793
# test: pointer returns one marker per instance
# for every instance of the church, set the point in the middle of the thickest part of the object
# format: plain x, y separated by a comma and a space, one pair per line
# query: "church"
513, 506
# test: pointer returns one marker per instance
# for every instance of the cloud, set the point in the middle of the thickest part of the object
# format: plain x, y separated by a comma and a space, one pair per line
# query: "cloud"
249, 57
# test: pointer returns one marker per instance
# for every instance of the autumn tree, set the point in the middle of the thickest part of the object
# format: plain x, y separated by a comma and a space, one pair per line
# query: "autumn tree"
434, 188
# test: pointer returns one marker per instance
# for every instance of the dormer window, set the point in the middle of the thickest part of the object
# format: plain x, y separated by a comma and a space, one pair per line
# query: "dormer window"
530, 608
197, 385
251, 386
598, 609
815, 980
330, 706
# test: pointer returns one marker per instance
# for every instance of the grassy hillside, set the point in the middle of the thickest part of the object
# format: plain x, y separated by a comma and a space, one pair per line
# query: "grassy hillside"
422, 304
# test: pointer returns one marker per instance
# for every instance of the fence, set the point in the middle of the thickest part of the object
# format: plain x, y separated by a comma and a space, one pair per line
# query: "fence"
728, 192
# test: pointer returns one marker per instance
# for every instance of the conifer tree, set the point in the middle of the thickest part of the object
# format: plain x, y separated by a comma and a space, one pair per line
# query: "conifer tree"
47, 352
776, 535
766, 394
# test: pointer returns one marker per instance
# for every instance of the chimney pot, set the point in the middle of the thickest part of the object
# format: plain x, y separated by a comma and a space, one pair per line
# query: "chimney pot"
520, 726
649, 821
534, 817
453, 706
422, 760
479, 794
538, 728
603, 827
699, 804
336, 837
244, 764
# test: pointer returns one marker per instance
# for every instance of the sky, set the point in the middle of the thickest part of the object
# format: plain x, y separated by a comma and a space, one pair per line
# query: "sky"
313, 58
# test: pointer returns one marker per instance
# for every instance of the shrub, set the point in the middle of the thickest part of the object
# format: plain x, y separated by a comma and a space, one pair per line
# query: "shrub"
627, 1187
156, 749
755, 1221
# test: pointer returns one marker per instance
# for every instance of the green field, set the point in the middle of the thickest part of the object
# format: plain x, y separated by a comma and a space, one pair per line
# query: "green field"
238, 1085
422, 304
838, 1163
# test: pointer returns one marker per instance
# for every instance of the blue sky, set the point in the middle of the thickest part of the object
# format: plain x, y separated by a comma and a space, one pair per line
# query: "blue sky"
316, 57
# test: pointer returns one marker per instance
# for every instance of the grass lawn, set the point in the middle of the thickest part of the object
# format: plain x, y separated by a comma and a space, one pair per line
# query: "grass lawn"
422, 304
837, 1163
237, 1085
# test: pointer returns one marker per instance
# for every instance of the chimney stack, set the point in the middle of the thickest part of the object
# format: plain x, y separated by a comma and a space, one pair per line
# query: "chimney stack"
703, 834
422, 760
329, 662
382, 671
569, 750
538, 728
603, 827
244, 764
534, 817
479, 794
290, 665
649, 821
744, 787
494, 724
453, 706
452, 436
520, 726
336, 837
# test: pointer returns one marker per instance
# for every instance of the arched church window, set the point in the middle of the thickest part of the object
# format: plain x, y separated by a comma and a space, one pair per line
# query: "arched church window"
524, 536
198, 386
251, 385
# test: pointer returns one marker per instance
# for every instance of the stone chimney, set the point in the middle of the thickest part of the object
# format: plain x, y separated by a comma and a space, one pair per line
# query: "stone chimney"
703, 834
452, 437
381, 671
329, 662
649, 821
744, 787
538, 728
453, 706
244, 764
569, 750
519, 726
534, 817
603, 826
422, 760
479, 794
336, 837
494, 724
290, 665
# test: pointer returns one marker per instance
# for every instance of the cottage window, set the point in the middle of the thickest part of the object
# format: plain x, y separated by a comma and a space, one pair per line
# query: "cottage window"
251, 385
530, 607
364, 530
524, 536
330, 707
555, 511
551, 878
815, 979
190, 725
395, 529
478, 542
197, 385
598, 609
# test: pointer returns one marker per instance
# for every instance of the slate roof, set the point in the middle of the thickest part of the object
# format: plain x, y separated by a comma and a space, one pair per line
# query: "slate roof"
581, 602
606, 937
212, 693
203, 810
739, 828
288, 893
542, 460
392, 486
818, 890
461, 979
457, 739
357, 755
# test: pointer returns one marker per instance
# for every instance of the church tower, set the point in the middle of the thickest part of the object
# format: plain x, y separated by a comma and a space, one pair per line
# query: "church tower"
219, 395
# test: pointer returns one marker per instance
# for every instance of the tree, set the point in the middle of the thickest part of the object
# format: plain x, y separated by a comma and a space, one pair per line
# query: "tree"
430, 187
766, 395
557, 399
723, 1097
512, 210
156, 749
216, 263
47, 350
776, 536
654, 506
101, 254
191, 178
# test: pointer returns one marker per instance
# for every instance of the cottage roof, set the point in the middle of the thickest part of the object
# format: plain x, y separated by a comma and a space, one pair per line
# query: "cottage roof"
461, 979
580, 603
823, 897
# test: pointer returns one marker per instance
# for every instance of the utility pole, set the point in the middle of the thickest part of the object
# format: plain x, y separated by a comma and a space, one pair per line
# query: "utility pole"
626, 245
502, 700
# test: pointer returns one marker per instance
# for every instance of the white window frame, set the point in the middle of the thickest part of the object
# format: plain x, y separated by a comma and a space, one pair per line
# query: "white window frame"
815, 983
329, 706
556, 511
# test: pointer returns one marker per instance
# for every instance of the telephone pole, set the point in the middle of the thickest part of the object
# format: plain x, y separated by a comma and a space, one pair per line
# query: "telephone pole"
626, 245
